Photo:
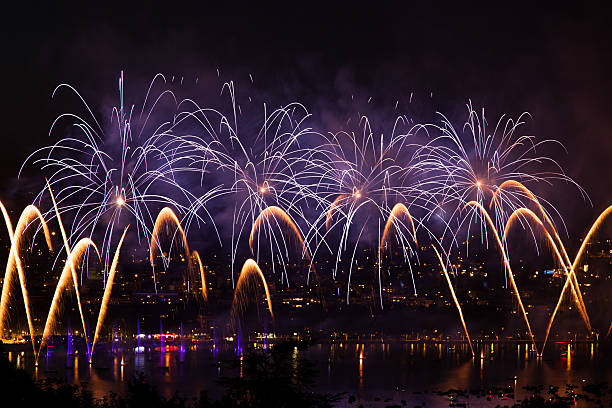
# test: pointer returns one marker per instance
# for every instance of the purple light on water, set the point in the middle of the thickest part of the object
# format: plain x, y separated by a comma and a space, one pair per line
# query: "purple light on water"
69, 351
69, 345
162, 348
161, 336
49, 351
215, 349
238, 347
113, 340
139, 348
182, 346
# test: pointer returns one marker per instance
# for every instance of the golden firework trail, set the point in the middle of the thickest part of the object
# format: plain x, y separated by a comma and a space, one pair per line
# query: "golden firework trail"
14, 262
528, 213
398, 210
574, 284
452, 291
166, 216
507, 264
72, 268
196, 256
107, 293
332, 209
279, 215
600, 219
68, 271
249, 275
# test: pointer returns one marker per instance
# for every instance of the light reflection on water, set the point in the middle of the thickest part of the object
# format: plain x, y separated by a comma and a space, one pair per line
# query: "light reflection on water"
396, 370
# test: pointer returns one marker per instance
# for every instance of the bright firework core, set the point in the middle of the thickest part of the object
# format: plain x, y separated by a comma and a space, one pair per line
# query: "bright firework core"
120, 201
262, 190
357, 194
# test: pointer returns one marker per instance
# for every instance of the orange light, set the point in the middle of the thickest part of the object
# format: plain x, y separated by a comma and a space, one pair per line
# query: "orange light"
120, 201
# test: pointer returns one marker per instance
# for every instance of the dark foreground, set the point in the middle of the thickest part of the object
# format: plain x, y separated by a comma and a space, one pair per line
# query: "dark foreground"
271, 378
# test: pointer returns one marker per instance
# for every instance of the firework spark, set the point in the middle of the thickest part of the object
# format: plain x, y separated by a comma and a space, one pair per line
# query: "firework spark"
285, 182
106, 296
245, 289
101, 172
452, 291
14, 262
72, 261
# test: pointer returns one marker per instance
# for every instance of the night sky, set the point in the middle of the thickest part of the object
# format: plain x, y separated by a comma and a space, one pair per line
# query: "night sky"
554, 63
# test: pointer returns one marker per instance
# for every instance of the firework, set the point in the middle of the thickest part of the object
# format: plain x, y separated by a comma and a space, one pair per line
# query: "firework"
165, 217
271, 217
482, 162
196, 258
106, 296
394, 221
294, 190
72, 261
245, 291
14, 262
254, 172
359, 174
102, 171
452, 291
568, 280
71, 266
486, 216
531, 215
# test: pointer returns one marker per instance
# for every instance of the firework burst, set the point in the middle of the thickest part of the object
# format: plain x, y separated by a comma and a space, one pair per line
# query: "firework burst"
107, 176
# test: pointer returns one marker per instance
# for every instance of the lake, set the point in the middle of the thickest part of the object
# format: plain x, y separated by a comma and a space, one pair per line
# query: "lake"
375, 373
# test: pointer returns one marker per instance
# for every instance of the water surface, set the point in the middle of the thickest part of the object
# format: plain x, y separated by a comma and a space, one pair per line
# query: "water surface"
375, 373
